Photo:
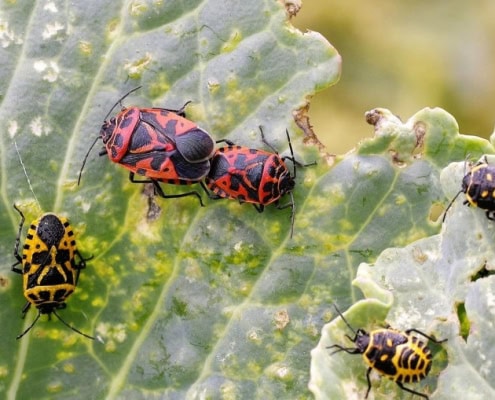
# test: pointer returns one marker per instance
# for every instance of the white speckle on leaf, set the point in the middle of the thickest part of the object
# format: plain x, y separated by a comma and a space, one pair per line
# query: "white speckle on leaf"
52, 30
213, 83
37, 127
50, 6
255, 335
144, 229
490, 302
485, 368
282, 372
50, 70
7, 36
85, 206
40, 66
137, 67
12, 128
407, 318
116, 332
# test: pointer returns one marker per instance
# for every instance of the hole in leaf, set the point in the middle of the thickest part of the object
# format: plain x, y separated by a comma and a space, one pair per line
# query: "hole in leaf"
420, 131
483, 272
464, 323
436, 212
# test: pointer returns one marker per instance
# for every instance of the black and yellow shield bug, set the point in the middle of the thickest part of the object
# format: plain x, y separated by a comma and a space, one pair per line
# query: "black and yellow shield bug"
49, 269
479, 187
398, 355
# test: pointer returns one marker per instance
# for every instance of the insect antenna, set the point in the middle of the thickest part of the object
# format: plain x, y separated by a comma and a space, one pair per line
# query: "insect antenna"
85, 158
347, 323
450, 205
458, 193
74, 329
293, 213
120, 100
30, 326
26, 174
99, 137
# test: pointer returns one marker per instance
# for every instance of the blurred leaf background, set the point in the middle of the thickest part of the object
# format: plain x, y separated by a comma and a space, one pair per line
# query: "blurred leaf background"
404, 56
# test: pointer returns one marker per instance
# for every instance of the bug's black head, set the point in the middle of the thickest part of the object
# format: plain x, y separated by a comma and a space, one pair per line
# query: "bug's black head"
361, 340
50, 230
286, 183
107, 130
48, 307
466, 181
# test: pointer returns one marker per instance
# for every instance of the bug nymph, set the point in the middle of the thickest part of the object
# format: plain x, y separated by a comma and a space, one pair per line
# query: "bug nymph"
49, 269
398, 355
478, 184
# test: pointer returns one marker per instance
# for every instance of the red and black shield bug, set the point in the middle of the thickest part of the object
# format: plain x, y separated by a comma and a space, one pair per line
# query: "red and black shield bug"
479, 187
253, 176
158, 143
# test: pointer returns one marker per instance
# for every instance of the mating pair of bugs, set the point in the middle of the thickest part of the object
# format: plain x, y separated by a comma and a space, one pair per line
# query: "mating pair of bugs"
163, 146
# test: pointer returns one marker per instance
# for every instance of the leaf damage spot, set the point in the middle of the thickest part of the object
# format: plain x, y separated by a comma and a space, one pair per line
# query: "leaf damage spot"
112, 29
50, 6
114, 333
232, 42
484, 272
49, 70
292, 7
86, 48
255, 335
464, 324
179, 307
238, 246
12, 128
436, 211
69, 368
52, 30
4, 282
282, 319
154, 210
213, 85
137, 8
136, 68
37, 127
7, 36
54, 387
284, 373
301, 117
84, 205
420, 132
419, 256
